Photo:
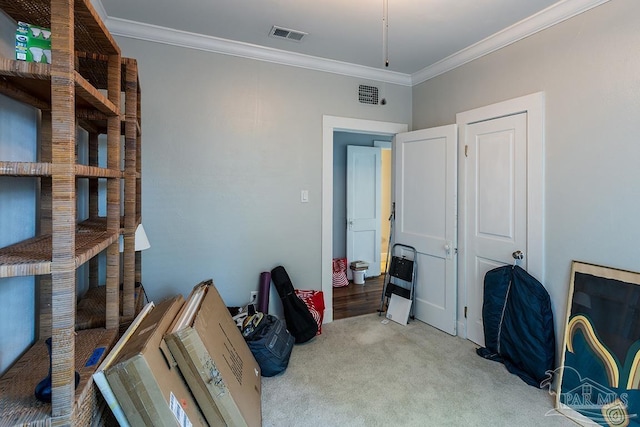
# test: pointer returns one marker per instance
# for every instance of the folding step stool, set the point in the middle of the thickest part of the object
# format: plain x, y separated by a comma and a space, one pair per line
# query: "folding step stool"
402, 269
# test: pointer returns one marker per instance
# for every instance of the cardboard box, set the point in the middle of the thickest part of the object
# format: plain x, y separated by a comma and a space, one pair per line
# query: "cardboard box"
215, 360
33, 43
99, 376
150, 391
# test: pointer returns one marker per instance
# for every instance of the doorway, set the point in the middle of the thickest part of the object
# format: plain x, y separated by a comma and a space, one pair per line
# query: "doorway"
359, 197
332, 124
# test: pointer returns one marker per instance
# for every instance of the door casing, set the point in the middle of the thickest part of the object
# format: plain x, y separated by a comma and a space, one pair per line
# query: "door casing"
330, 124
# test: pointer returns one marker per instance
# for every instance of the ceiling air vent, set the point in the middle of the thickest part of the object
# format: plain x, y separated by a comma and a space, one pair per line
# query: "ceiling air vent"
285, 33
368, 94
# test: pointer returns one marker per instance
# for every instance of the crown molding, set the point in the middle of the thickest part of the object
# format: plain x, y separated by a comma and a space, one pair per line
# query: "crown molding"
542, 20
153, 33
97, 5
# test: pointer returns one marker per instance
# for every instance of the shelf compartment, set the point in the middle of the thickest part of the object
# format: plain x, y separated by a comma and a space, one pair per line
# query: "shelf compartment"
90, 312
95, 121
17, 400
89, 93
91, 35
31, 83
32, 257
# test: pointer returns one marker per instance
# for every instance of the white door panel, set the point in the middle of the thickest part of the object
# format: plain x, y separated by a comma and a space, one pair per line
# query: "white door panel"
429, 308
363, 206
425, 194
496, 204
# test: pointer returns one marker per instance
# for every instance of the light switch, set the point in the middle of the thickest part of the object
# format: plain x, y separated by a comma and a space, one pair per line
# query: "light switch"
304, 196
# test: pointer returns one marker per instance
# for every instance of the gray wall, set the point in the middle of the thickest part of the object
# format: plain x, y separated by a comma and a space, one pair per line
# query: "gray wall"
18, 138
588, 68
228, 144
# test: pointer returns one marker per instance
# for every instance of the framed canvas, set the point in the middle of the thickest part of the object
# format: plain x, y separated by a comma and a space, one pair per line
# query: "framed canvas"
600, 368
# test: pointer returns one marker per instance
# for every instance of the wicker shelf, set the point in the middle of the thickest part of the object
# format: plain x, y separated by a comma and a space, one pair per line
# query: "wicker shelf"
32, 257
88, 77
20, 407
44, 170
31, 83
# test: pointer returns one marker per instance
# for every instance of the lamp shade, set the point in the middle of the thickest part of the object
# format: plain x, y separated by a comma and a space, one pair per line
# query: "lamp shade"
140, 238
142, 242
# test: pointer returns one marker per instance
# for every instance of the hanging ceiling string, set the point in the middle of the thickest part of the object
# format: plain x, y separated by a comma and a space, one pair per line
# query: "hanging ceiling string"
385, 31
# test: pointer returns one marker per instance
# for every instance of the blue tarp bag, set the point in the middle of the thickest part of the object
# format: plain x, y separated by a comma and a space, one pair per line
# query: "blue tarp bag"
518, 324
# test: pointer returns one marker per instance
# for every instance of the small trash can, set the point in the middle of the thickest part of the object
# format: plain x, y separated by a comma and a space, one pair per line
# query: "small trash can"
358, 276
359, 269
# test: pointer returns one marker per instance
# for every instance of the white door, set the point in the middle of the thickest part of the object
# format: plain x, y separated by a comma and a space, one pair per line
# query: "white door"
426, 197
363, 206
496, 205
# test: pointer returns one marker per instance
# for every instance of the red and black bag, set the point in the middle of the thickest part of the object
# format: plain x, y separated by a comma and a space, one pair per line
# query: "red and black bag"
300, 321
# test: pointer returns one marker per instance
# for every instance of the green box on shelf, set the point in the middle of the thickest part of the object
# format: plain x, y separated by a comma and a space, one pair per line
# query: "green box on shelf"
33, 43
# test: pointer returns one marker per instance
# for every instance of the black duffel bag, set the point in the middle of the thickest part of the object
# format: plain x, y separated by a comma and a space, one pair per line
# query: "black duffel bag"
269, 341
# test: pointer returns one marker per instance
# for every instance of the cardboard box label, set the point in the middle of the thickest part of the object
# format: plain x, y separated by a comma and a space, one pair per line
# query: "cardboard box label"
180, 414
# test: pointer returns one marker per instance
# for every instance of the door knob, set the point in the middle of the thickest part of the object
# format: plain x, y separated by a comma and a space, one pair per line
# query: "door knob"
518, 255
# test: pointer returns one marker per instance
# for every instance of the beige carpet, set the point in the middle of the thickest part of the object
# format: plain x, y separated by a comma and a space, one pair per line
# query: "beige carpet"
361, 372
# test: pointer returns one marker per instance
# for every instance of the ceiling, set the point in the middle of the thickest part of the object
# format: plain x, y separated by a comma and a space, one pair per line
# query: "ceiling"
421, 33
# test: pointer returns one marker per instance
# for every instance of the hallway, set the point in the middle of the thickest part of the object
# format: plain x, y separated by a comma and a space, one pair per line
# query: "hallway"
356, 300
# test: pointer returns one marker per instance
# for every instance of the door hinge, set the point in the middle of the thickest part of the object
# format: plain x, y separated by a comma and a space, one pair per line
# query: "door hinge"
466, 151
465, 312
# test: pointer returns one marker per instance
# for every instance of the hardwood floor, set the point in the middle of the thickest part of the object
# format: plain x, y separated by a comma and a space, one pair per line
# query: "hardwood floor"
355, 300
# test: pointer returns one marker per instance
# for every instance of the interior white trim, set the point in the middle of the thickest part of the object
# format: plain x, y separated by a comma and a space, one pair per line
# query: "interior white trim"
385, 145
169, 36
533, 105
329, 125
97, 5
546, 18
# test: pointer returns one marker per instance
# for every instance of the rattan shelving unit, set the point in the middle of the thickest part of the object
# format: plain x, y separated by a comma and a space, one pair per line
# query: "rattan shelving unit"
82, 87
91, 308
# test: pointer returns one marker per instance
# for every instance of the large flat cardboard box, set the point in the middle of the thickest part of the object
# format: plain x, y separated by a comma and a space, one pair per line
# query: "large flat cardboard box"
215, 360
99, 377
150, 391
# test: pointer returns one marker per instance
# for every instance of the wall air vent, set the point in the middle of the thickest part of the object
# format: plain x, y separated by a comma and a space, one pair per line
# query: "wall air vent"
285, 33
368, 94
